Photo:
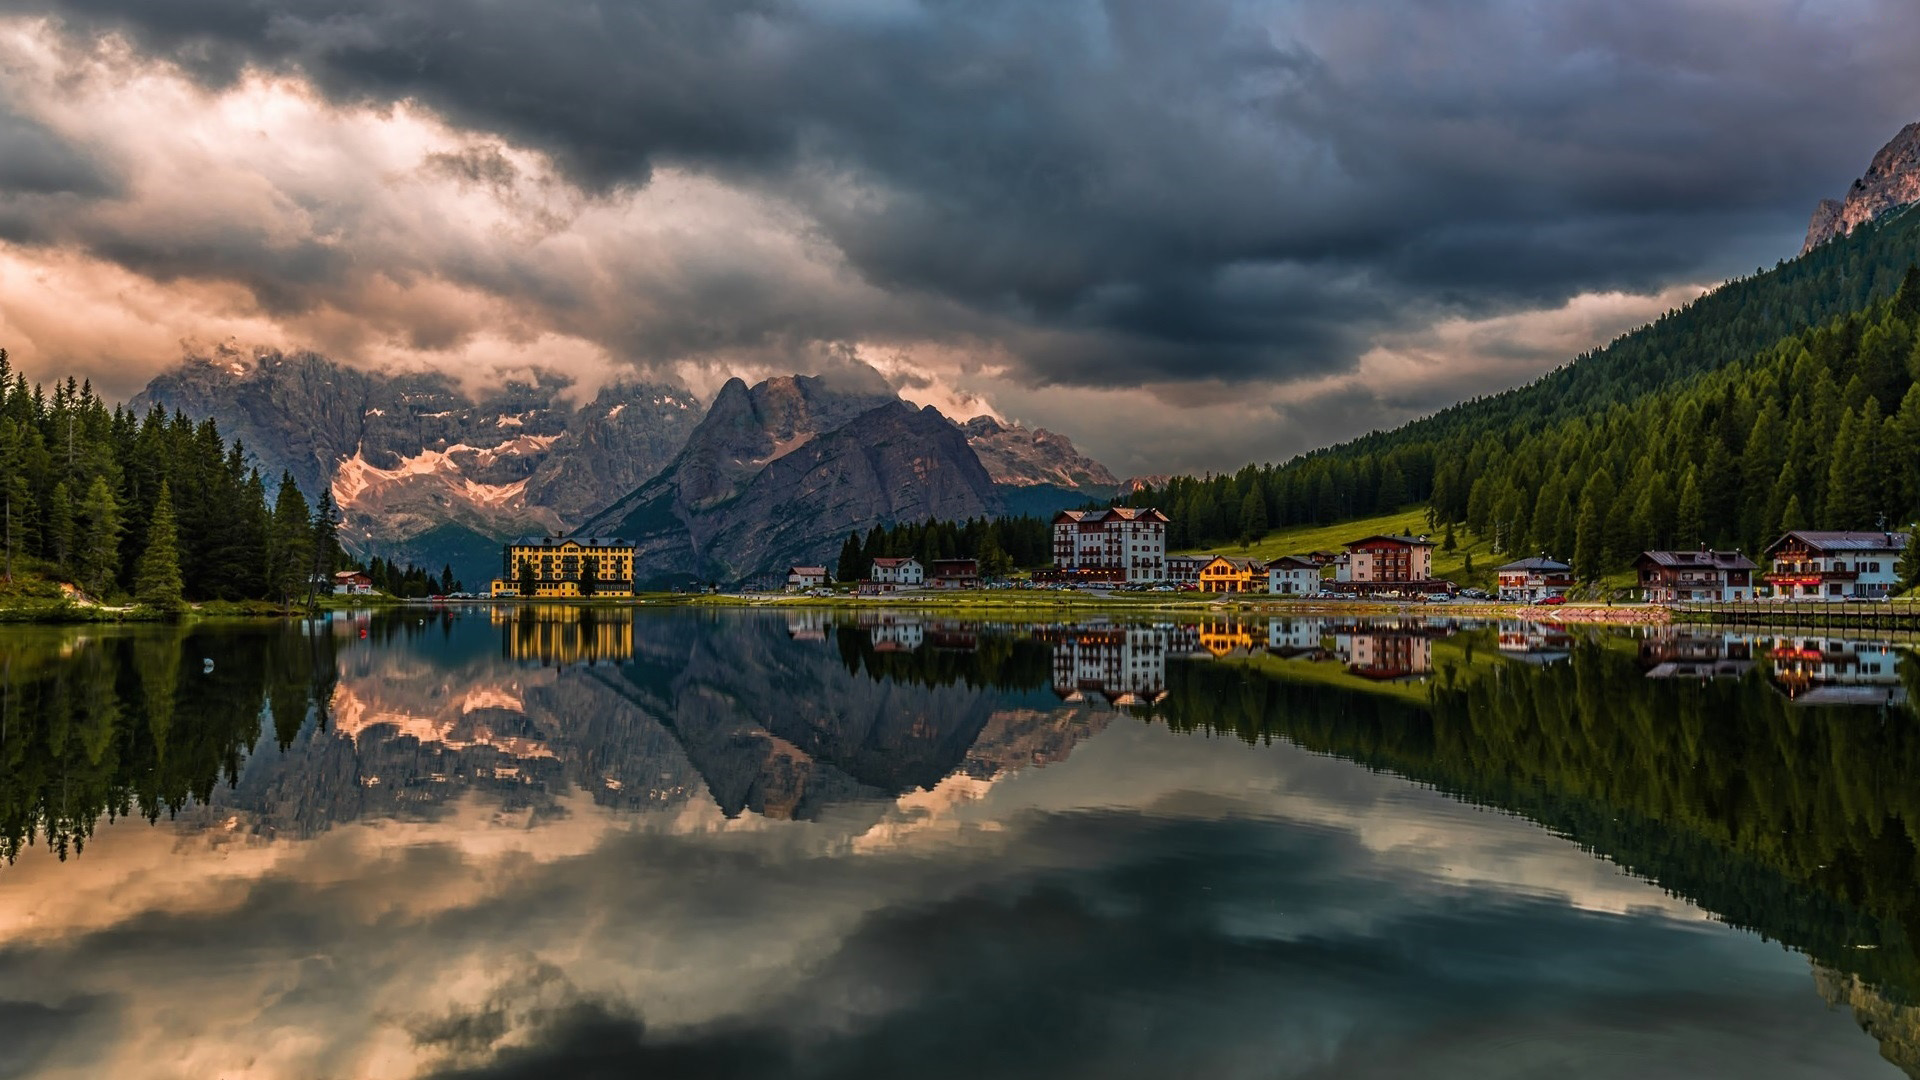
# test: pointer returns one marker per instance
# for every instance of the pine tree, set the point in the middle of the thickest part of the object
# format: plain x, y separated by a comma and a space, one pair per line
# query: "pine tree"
60, 536
290, 543
1253, 516
527, 584
850, 567
1793, 518
1447, 542
1588, 559
1690, 525
98, 559
156, 581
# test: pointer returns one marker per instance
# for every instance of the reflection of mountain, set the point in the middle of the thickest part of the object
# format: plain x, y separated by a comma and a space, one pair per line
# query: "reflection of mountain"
1896, 1027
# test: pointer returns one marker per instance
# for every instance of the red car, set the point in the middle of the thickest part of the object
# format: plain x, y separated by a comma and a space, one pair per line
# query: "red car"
1551, 601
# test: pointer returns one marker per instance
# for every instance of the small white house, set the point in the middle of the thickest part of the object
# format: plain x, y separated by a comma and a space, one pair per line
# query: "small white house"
1810, 564
1293, 576
805, 577
352, 583
898, 572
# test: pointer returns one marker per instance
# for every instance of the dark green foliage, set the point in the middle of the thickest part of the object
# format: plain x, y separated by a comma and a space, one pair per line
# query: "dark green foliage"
1791, 388
852, 566
156, 580
80, 484
999, 544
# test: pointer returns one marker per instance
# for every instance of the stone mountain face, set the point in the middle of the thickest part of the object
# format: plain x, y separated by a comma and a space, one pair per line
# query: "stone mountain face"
422, 471
1892, 181
779, 474
1016, 456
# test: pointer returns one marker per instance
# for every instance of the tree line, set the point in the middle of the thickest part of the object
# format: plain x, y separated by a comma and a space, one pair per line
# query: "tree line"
999, 545
1661, 425
157, 508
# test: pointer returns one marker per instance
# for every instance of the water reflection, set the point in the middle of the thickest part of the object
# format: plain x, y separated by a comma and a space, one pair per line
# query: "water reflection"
1739, 773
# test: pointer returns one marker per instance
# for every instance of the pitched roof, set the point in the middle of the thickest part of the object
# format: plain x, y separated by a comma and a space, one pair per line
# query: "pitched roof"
583, 541
1247, 565
1839, 540
1537, 562
1293, 562
808, 571
1411, 541
896, 562
1121, 513
1716, 560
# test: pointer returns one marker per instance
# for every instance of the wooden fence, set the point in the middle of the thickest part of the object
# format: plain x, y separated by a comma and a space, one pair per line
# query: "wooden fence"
1891, 616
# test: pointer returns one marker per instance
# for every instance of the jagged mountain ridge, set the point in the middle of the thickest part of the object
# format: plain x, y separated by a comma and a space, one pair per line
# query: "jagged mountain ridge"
783, 471
1021, 457
1892, 181
420, 469
425, 473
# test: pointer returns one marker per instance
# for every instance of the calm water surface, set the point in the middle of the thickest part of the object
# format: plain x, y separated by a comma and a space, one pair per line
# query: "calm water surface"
564, 843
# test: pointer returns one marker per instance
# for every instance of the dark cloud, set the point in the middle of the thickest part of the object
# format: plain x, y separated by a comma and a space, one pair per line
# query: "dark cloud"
1133, 190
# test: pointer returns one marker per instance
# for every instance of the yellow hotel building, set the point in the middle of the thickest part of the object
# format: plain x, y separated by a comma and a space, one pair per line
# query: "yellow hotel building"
566, 567
1226, 574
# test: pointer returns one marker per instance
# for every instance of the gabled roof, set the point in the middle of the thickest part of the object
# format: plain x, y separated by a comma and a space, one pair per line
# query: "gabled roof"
583, 541
1113, 513
1537, 562
1689, 560
897, 562
1836, 540
1253, 566
1410, 541
1293, 562
807, 571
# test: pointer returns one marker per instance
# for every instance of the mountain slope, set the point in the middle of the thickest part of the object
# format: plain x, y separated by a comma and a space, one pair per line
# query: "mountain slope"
1016, 456
419, 469
757, 488
1892, 181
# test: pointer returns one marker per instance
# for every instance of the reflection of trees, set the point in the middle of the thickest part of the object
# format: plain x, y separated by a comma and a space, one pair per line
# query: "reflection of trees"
105, 726
1799, 823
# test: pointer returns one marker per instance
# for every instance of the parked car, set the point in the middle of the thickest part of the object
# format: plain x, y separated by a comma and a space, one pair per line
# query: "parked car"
1551, 601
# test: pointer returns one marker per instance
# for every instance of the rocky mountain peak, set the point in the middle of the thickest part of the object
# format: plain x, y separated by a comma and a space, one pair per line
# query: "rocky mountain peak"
1891, 181
1021, 457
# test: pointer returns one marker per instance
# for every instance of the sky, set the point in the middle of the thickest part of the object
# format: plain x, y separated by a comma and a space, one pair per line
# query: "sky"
1188, 235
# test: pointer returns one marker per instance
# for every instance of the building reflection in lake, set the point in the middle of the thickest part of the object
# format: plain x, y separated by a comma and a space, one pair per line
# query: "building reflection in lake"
1833, 671
563, 635
1121, 665
1685, 653
1534, 643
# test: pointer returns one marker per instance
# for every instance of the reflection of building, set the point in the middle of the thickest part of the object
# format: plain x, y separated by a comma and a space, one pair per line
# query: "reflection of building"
1122, 665
1669, 577
1221, 639
897, 635
1813, 565
807, 626
1293, 575
1534, 643
570, 567
1831, 671
1121, 544
1388, 656
1295, 637
561, 635
1705, 655
1528, 580
1226, 574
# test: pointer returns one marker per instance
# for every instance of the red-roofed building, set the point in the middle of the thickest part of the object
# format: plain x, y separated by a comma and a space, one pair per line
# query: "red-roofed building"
1121, 544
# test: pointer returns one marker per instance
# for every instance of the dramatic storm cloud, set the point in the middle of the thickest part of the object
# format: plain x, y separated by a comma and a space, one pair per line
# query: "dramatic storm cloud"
1204, 216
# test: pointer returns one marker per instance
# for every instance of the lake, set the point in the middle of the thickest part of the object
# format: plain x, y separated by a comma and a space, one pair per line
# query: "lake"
582, 842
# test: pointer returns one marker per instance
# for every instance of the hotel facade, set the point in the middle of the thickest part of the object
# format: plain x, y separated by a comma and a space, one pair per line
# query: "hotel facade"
1123, 545
565, 567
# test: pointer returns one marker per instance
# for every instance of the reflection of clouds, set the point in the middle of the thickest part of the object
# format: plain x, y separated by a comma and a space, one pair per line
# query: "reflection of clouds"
1178, 884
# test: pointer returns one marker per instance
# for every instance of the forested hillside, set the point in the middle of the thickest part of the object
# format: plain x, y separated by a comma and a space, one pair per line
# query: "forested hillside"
156, 506
1678, 397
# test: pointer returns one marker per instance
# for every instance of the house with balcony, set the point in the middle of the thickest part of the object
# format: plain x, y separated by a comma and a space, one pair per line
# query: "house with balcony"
1124, 545
955, 574
1529, 581
802, 578
904, 573
1810, 564
1680, 577
1226, 574
1389, 565
1293, 575
565, 567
